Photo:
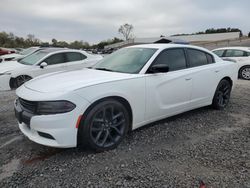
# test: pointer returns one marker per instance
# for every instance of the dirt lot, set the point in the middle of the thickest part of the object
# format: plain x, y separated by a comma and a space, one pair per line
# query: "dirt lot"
204, 144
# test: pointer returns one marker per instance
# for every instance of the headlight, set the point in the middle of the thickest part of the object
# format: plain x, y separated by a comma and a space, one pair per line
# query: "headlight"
54, 107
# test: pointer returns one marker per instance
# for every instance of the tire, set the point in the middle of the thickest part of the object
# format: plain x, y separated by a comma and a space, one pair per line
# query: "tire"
222, 95
20, 80
244, 72
104, 127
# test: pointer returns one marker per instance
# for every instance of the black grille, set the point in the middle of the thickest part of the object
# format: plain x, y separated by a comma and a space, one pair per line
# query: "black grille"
29, 106
9, 59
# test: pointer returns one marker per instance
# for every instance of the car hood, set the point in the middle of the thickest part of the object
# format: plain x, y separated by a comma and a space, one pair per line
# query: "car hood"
11, 56
73, 80
10, 66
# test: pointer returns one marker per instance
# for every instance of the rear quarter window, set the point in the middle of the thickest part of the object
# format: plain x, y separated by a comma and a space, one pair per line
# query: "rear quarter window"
197, 58
210, 58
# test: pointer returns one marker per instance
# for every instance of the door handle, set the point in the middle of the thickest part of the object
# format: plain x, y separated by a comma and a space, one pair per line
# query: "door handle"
216, 71
187, 79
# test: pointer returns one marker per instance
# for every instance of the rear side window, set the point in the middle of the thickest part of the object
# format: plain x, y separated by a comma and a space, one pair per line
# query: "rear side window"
74, 56
197, 58
219, 52
174, 58
234, 53
55, 59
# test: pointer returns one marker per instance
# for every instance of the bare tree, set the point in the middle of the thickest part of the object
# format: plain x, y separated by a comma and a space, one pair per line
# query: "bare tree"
126, 30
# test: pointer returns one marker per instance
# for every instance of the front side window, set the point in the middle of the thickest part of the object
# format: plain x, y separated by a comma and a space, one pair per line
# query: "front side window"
74, 56
55, 59
219, 52
126, 60
173, 58
197, 58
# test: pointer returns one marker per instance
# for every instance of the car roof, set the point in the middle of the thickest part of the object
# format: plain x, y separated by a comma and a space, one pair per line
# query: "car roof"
51, 50
233, 48
161, 46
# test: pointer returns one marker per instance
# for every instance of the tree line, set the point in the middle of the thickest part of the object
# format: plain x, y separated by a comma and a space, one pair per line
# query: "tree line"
9, 40
213, 30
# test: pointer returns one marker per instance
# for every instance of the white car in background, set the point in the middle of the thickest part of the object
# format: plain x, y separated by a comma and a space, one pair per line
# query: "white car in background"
17, 56
14, 73
132, 87
239, 54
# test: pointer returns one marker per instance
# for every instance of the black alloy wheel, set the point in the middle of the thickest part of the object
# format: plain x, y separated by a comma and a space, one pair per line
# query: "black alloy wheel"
20, 80
222, 95
105, 126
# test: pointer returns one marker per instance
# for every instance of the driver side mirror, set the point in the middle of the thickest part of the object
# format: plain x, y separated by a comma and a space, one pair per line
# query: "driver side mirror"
159, 68
43, 64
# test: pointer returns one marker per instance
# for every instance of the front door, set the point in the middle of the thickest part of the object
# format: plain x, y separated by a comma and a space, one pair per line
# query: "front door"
55, 62
168, 93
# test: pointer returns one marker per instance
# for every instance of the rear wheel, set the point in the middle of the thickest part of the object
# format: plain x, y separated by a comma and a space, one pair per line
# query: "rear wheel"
20, 80
105, 126
244, 73
222, 95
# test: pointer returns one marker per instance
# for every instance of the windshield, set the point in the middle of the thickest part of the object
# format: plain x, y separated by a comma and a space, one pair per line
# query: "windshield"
28, 51
126, 60
33, 58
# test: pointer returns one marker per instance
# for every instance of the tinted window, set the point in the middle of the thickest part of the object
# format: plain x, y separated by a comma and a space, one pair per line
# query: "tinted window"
219, 52
174, 58
74, 56
210, 58
247, 53
234, 53
197, 58
55, 59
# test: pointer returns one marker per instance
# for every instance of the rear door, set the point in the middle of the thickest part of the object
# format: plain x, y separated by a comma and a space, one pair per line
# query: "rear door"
168, 93
76, 60
205, 73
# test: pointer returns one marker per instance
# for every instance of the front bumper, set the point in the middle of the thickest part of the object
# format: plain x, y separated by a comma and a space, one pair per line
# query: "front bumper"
5, 82
57, 130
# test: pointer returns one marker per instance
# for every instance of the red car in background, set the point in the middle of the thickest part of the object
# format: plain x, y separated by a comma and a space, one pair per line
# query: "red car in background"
4, 51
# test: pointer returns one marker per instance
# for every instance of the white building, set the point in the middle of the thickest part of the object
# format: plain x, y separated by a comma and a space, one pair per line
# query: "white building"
178, 39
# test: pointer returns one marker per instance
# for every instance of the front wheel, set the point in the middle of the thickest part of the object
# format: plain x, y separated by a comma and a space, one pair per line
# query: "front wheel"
222, 95
244, 73
105, 126
20, 80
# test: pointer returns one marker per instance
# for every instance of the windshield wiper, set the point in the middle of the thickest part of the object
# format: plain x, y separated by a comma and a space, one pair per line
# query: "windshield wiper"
104, 69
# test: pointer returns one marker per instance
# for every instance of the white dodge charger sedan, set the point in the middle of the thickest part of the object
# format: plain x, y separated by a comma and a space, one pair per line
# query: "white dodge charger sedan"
14, 73
132, 87
239, 54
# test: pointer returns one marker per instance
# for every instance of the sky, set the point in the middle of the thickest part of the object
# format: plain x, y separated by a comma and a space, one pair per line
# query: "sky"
97, 20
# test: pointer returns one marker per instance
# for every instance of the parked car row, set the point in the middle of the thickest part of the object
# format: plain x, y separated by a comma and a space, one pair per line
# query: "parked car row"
132, 87
4, 51
14, 73
19, 55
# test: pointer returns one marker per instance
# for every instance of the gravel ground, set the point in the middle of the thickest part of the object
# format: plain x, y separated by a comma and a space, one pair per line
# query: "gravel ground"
201, 145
